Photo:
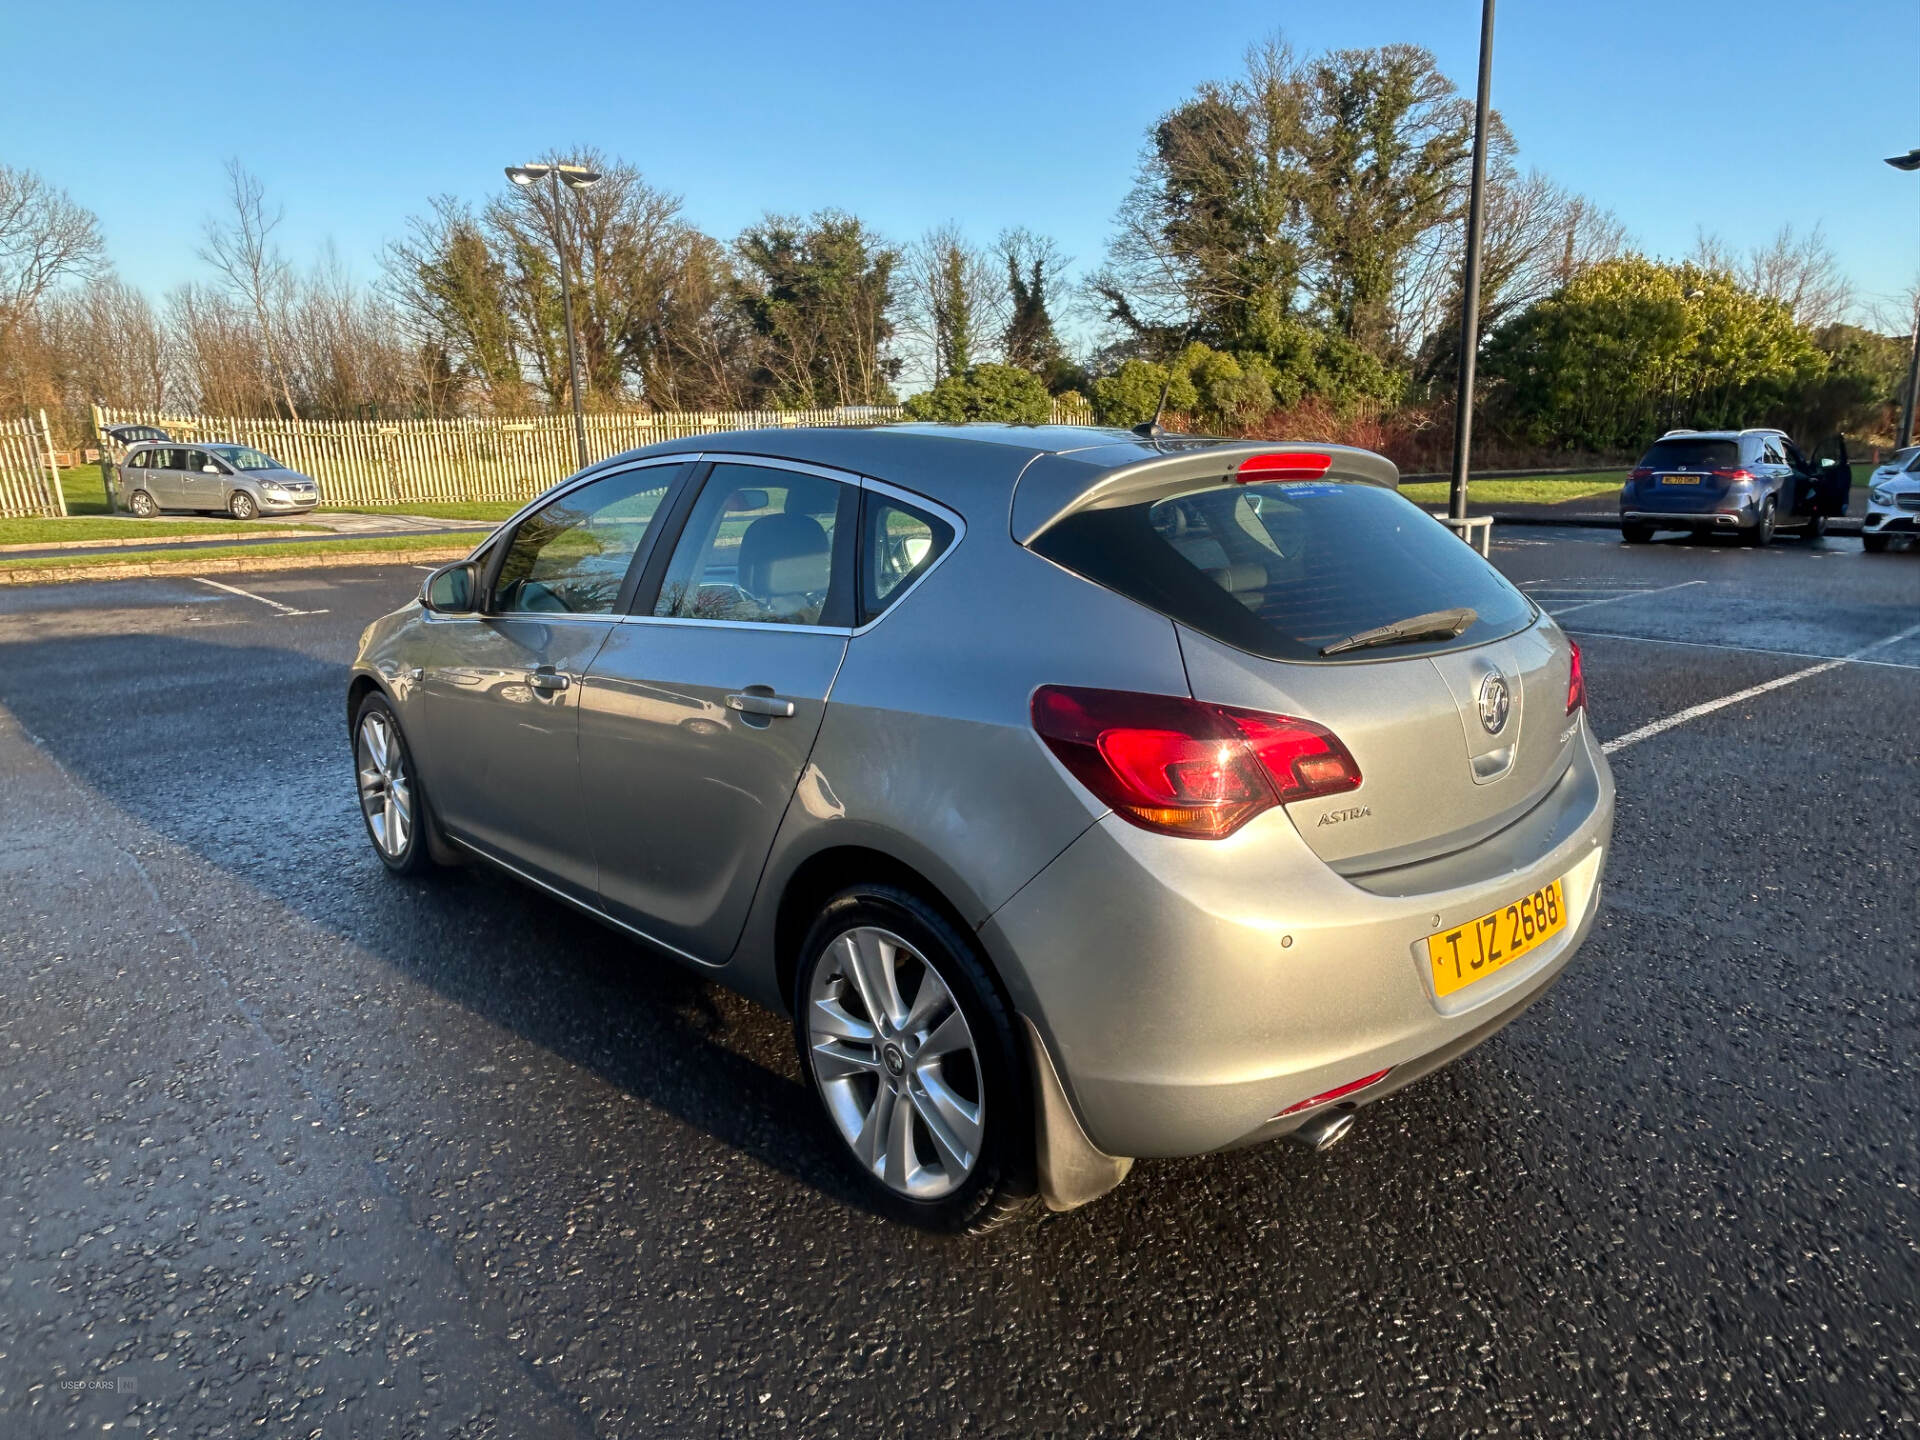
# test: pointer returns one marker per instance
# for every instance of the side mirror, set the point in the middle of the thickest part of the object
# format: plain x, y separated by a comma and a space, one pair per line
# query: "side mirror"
449, 590
209, 469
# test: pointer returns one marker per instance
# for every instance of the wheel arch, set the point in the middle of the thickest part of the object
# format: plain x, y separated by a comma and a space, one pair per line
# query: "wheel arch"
825, 873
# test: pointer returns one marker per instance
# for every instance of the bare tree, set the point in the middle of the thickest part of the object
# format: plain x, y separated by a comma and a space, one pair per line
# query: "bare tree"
952, 298
44, 238
1803, 274
1800, 271
255, 272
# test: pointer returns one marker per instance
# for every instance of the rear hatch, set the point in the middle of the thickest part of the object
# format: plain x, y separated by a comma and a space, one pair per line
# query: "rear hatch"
1275, 586
1685, 474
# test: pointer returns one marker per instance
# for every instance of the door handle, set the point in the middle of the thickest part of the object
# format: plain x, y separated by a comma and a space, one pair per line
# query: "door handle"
548, 681
771, 705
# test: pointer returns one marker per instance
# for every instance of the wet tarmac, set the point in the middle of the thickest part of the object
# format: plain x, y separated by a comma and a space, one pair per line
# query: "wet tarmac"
290, 1147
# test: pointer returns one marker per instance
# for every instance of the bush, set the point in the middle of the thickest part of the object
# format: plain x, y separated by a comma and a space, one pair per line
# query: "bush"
1132, 393
984, 392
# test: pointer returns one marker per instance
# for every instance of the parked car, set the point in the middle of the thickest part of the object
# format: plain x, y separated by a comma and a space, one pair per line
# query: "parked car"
1753, 483
215, 475
1081, 795
1893, 500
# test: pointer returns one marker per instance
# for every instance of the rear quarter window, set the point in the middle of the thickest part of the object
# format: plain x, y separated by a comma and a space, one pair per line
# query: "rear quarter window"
1283, 569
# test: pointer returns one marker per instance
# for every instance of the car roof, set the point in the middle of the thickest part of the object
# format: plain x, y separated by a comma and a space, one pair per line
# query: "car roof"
978, 463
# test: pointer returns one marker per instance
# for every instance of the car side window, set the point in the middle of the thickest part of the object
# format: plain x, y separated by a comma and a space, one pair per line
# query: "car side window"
572, 555
759, 548
1793, 456
158, 459
194, 460
898, 544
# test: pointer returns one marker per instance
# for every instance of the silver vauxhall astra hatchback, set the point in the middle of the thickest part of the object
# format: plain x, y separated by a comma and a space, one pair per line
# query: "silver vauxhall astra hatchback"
1081, 795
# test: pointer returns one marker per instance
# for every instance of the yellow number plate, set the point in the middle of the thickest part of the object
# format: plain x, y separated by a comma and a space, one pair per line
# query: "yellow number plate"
1475, 950
1679, 479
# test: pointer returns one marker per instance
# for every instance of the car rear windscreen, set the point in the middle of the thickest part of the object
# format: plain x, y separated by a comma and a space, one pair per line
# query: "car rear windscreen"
1283, 569
1692, 455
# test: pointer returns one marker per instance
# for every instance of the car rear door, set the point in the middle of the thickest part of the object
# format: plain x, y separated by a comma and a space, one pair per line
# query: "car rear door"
1833, 475
499, 690
698, 715
162, 476
199, 490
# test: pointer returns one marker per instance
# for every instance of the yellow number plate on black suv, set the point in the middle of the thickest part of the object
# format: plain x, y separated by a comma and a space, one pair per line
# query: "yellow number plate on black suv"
1475, 950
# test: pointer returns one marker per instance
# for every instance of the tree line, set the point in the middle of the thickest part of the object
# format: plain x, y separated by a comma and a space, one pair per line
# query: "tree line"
1287, 261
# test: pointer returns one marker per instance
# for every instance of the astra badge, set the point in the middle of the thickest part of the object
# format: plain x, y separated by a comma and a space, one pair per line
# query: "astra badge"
1494, 704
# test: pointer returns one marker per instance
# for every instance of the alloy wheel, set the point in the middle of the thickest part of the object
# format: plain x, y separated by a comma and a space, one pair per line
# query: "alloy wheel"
895, 1063
386, 792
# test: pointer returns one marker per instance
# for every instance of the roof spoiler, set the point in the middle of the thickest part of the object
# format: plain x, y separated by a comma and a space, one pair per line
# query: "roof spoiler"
1055, 486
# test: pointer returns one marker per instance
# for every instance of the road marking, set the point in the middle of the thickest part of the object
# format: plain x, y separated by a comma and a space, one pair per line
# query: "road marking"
1707, 707
1741, 649
1616, 599
249, 595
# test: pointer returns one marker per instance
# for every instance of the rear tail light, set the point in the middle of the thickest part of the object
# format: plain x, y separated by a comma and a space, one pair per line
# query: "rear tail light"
1576, 681
1734, 475
1184, 767
1644, 472
1339, 1092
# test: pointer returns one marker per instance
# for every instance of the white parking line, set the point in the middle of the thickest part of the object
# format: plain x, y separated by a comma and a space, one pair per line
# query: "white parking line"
249, 595
1616, 599
1740, 649
1707, 707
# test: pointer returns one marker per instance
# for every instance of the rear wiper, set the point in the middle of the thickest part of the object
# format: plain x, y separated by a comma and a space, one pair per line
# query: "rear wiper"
1434, 625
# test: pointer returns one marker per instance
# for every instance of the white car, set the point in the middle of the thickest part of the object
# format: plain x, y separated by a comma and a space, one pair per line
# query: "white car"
1893, 500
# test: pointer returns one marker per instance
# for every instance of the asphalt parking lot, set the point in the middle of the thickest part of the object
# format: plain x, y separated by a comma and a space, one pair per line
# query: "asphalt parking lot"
292, 1148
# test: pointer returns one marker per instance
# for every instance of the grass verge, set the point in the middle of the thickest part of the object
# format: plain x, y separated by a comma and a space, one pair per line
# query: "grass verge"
490, 510
219, 554
1541, 490
100, 527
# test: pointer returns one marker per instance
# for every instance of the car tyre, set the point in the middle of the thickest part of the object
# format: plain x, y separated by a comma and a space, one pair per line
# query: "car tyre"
1816, 528
393, 803
1636, 534
940, 1139
241, 507
1873, 544
1761, 535
143, 505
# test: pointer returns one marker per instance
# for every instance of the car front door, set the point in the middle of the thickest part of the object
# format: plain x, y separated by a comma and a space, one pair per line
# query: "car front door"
1833, 475
697, 717
499, 689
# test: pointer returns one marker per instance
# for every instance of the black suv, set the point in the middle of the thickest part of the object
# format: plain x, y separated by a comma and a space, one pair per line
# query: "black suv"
1748, 482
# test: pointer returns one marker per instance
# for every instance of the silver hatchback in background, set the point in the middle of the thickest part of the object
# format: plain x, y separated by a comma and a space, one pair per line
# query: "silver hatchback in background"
209, 476
1081, 795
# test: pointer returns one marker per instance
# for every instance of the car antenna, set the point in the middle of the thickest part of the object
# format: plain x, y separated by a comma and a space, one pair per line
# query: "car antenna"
1150, 430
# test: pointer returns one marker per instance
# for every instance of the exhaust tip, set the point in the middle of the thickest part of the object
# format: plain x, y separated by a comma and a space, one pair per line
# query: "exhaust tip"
1323, 1132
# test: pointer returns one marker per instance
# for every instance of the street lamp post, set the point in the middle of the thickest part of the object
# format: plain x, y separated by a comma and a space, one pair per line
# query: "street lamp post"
576, 178
1470, 286
1909, 161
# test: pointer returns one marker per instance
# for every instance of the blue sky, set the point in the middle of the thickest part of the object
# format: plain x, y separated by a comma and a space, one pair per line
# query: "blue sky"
1735, 116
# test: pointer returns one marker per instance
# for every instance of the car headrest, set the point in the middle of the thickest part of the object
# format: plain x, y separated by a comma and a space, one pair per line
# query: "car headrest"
784, 555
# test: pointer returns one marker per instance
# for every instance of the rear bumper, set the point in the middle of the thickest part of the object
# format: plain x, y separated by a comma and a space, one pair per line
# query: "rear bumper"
1692, 519
1189, 992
